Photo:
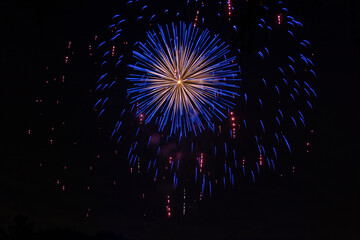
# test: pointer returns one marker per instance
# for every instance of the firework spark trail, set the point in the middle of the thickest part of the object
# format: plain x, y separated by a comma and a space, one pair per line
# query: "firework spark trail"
183, 78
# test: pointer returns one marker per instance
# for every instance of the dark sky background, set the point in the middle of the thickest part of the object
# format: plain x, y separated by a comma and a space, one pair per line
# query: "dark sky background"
323, 203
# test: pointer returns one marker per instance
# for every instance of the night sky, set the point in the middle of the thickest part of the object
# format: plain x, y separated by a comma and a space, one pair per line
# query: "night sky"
321, 202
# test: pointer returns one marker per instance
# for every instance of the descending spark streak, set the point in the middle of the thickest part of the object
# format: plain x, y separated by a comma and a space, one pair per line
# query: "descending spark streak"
186, 79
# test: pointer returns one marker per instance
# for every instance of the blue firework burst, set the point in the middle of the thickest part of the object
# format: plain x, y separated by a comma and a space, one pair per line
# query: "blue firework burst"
183, 79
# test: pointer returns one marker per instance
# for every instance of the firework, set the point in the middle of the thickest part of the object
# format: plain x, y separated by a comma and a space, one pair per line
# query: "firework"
268, 107
170, 97
183, 79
